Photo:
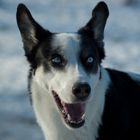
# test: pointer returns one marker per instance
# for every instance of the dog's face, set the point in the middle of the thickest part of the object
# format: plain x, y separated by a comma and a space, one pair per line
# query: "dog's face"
67, 65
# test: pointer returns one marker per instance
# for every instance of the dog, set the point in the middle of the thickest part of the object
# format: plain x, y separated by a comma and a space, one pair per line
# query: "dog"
73, 96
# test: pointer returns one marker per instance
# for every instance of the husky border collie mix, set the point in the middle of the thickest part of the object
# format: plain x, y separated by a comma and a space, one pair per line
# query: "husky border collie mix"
73, 96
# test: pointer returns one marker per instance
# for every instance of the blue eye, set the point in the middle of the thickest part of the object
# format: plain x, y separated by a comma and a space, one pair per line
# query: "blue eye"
56, 60
90, 60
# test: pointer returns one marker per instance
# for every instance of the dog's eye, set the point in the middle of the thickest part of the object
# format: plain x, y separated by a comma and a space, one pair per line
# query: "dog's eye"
90, 60
57, 60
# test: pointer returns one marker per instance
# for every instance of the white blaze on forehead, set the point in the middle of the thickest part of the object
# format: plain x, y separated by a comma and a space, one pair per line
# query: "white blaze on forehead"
68, 43
66, 40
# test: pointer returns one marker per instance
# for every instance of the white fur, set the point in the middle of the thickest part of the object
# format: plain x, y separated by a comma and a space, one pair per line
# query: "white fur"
44, 105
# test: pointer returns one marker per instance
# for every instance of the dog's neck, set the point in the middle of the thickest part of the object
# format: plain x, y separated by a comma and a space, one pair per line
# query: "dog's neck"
50, 121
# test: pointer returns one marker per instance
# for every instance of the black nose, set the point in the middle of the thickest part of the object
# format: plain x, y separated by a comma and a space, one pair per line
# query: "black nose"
81, 90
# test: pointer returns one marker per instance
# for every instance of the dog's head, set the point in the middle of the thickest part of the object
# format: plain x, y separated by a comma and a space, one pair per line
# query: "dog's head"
67, 65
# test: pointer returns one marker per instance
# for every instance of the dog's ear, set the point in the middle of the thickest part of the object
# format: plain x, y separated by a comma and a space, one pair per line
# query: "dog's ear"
96, 25
32, 33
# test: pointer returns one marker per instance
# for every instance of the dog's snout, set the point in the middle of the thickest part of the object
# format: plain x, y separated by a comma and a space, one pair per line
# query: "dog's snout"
81, 90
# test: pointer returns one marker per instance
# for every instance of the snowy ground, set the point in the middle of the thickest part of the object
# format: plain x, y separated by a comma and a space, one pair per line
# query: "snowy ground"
122, 43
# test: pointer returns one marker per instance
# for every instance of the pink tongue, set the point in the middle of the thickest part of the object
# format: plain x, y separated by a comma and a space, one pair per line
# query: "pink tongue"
75, 111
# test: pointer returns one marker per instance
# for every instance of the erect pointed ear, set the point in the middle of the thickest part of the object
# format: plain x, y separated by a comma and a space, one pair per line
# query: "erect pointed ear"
32, 33
97, 23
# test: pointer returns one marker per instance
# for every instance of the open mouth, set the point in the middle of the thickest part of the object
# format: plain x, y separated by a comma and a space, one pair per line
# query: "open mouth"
73, 114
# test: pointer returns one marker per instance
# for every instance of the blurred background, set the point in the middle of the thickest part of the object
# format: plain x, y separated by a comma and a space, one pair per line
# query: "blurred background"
122, 44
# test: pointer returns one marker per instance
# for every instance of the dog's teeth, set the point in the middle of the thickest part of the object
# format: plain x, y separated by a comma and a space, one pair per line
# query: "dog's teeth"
69, 118
83, 116
63, 111
62, 103
80, 121
72, 121
76, 122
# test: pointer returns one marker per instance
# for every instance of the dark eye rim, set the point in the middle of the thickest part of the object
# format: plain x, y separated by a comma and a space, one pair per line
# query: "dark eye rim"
88, 58
85, 60
62, 62
86, 65
54, 57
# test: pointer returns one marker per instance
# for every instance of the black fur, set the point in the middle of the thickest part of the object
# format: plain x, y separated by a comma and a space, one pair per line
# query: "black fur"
89, 48
87, 41
93, 32
121, 117
32, 33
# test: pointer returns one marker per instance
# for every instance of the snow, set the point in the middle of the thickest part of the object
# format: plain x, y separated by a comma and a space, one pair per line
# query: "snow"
122, 44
